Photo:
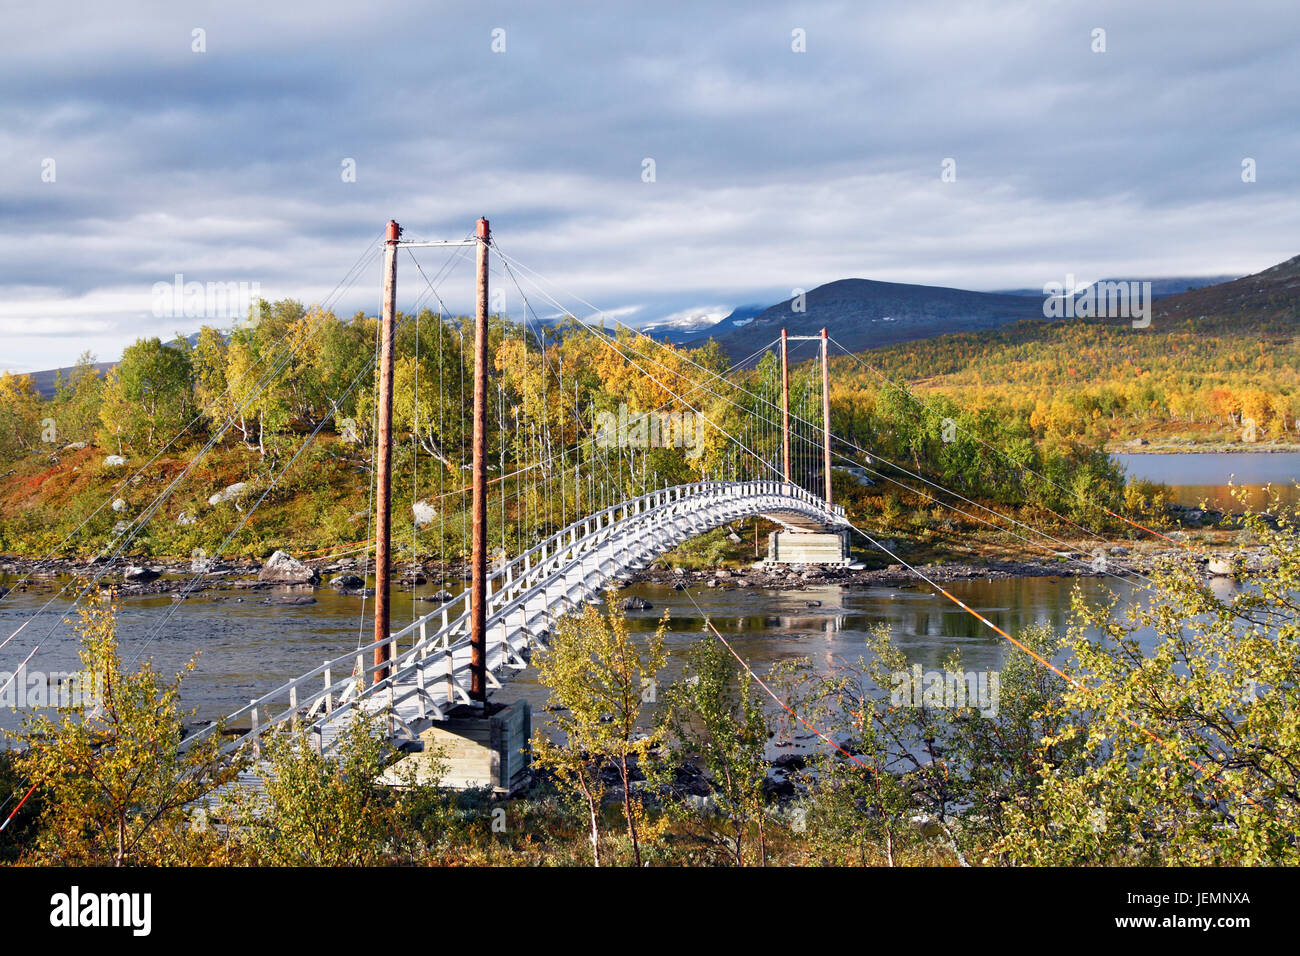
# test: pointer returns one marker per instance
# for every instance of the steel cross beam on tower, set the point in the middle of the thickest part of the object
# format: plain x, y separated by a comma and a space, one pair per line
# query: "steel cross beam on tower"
429, 243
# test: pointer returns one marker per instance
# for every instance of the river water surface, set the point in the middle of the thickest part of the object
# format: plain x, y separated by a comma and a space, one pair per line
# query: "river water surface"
1205, 477
247, 648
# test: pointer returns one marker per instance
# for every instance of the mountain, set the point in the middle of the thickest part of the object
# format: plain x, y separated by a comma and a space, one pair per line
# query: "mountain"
1160, 288
864, 313
1271, 296
680, 329
697, 329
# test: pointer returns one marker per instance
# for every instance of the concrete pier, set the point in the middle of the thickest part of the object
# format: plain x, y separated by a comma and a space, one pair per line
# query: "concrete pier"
474, 752
808, 547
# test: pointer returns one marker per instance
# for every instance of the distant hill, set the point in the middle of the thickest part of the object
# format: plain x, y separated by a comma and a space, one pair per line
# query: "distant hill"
45, 379
1271, 294
1208, 360
864, 313
1160, 288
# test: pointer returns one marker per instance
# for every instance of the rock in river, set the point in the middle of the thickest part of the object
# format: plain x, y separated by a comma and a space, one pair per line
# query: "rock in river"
138, 575
635, 604
1220, 567
281, 568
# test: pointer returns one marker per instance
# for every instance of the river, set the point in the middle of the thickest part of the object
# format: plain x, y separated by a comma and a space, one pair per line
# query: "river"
247, 648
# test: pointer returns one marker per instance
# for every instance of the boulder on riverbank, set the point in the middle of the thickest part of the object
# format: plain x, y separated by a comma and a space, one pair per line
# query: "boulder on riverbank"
281, 568
137, 574
423, 513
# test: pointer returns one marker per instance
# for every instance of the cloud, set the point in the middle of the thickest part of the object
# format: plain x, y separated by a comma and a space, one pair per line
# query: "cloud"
774, 169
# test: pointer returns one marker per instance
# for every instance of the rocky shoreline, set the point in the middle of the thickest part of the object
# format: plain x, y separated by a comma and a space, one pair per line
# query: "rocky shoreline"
138, 576
1142, 446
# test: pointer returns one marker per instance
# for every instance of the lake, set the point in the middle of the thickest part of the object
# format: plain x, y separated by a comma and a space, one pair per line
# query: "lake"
1198, 476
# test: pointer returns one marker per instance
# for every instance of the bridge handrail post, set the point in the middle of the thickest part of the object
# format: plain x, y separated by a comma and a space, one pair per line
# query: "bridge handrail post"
256, 731
421, 707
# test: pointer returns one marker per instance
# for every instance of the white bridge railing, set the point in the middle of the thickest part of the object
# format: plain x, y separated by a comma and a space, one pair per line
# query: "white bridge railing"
429, 659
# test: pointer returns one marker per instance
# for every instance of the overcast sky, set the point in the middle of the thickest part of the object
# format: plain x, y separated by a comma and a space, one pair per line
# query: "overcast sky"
773, 169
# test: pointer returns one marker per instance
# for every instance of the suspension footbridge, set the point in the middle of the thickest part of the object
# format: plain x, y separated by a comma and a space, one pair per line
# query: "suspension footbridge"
426, 668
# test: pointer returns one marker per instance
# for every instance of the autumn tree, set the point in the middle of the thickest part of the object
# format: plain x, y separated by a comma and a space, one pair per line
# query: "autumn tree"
116, 784
714, 715
77, 397
20, 415
211, 388
148, 397
600, 682
329, 809
1191, 745
427, 380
